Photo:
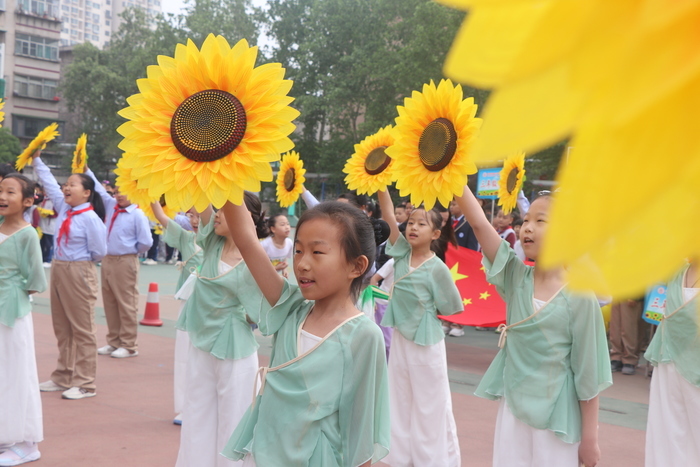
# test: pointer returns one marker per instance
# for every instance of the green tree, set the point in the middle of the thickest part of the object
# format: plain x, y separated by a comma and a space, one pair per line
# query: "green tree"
10, 147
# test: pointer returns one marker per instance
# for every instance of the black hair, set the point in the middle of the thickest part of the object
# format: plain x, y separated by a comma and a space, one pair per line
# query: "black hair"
27, 185
273, 220
357, 234
95, 199
517, 222
351, 197
252, 202
447, 233
6, 169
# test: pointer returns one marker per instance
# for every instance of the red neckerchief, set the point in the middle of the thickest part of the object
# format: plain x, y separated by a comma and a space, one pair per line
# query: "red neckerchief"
64, 231
117, 210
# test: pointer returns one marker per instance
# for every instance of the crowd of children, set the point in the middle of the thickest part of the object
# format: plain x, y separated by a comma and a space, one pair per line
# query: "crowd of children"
342, 388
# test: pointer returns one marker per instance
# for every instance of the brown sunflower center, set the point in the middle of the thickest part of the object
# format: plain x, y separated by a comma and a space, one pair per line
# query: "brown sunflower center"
512, 179
289, 179
377, 160
208, 125
437, 144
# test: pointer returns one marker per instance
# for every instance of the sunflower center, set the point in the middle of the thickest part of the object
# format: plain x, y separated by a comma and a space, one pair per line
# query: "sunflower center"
289, 179
376, 161
512, 179
208, 125
437, 144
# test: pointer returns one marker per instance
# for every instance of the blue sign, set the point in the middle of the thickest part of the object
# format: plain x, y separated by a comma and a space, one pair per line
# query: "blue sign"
655, 305
487, 183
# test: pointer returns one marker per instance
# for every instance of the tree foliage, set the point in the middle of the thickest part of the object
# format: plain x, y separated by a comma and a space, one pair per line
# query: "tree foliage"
10, 147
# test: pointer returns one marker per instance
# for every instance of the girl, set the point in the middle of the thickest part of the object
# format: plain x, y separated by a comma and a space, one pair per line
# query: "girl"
222, 357
323, 401
21, 274
185, 242
553, 361
278, 246
674, 401
79, 243
423, 430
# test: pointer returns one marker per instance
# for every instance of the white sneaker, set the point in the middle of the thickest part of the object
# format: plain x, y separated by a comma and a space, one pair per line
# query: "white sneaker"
106, 350
445, 328
456, 332
76, 393
149, 262
19, 454
47, 265
50, 386
121, 352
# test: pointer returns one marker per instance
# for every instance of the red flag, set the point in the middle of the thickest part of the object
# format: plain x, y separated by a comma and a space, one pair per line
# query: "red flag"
482, 304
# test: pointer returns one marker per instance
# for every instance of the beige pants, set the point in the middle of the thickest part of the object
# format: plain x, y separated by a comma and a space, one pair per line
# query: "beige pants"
120, 295
625, 326
73, 296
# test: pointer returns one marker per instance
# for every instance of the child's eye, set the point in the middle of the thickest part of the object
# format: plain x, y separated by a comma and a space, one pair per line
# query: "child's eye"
318, 252
297, 252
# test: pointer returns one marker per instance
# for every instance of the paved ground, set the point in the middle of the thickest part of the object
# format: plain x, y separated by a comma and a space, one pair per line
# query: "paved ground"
129, 423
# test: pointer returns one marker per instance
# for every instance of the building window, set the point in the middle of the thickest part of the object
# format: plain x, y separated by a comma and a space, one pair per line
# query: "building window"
96, 28
38, 47
39, 88
106, 22
106, 33
29, 127
95, 18
74, 10
38, 7
65, 8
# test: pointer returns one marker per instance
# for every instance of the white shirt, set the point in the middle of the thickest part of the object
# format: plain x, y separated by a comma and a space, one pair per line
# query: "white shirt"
307, 341
278, 255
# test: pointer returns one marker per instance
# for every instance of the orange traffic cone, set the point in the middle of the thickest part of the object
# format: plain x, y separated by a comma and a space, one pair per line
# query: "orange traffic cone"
151, 316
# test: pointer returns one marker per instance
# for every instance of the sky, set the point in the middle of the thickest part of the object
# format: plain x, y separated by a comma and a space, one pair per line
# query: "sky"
173, 6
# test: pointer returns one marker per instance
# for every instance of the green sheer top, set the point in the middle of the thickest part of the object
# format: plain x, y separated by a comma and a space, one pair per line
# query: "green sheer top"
419, 295
213, 316
553, 360
21, 270
328, 407
676, 340
186, 243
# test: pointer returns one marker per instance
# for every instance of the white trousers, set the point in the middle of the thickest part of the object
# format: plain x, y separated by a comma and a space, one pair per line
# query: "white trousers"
423, 430
217, 394
673, 425
517, 444
182, 344
20, 402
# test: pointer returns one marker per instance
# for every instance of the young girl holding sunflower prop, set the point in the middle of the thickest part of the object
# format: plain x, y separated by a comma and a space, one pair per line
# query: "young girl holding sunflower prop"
38, 143
434, 133
369, 169
290, 179
80, 155
511, 182
206, 124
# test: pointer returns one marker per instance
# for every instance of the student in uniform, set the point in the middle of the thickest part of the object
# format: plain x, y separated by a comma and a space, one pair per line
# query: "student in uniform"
222, 357
175, 235
554, 359
672, 435
423, 429
21, 274
323, 402
79, 243
128, 235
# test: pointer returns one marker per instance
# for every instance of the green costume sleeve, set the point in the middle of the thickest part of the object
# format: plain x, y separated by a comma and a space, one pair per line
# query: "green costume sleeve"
448, 301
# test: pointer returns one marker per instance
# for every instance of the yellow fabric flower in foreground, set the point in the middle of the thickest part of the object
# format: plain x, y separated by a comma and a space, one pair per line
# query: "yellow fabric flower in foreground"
128, 186
511, 181
44, 136
630, 103
206, 124
434, 133
369, 169
80, 155
290, 179
2, 114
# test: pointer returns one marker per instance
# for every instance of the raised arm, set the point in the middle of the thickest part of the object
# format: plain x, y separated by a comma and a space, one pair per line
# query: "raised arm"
160, 214
51, 186
386, 205
488, 237
309, 198
243, 233
523, 204
205, 216
107, 199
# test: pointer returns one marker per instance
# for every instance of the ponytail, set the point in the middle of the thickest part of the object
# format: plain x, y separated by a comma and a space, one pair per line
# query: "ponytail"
252, 202
95, 199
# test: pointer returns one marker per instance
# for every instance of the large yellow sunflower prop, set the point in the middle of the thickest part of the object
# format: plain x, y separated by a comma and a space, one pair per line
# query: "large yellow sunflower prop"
435, 131
290, 179
206, 124
80, 155
129, 187
369, 169
630, 103
2, 114
511, 181
44, 136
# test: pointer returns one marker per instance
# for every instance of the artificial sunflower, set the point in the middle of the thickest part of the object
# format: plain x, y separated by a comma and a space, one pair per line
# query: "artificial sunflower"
207, 123
290, 179
629, 104
43, 212
2, 114
369, 169
511, 181
80, 155
128, 186
44, 136
434, 133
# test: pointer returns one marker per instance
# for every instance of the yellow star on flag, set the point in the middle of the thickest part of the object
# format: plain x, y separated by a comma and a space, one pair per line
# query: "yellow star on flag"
467, 301
454, 272
484, 296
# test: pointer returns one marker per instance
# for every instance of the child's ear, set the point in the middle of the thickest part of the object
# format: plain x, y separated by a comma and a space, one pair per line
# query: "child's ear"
27, 202
436, 234
359, 267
